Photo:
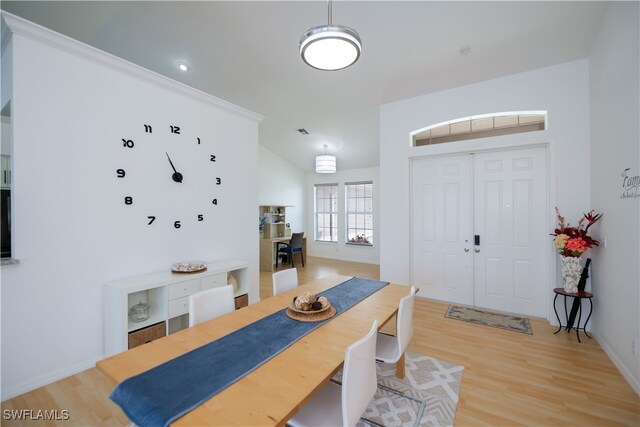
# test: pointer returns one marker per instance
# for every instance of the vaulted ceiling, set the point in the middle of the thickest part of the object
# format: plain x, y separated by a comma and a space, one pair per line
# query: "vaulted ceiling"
247, 53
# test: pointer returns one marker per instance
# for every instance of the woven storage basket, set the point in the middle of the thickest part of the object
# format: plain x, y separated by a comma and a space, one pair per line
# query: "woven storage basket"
148, 334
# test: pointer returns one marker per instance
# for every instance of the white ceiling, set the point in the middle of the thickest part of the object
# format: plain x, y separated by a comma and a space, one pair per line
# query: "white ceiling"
247, 53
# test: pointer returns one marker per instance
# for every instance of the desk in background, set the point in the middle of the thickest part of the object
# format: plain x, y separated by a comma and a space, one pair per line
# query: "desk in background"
268, 251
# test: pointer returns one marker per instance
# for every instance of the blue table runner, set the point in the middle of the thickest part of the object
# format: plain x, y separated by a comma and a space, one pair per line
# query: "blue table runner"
164, 393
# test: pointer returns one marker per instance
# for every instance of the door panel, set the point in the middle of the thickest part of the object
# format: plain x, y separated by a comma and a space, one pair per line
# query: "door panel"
493, 276
493, 215
523, 285
510, 202
441, 189
452, 266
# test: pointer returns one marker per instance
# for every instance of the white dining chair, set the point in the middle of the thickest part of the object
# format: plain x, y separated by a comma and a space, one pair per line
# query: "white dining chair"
389, 348
211, 303
334, 405
284, 280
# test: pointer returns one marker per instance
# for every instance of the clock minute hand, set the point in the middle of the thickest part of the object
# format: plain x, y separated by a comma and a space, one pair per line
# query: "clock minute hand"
177, 176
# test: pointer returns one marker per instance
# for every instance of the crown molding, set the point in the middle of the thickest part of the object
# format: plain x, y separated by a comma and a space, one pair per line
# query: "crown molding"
40, 34
5, 35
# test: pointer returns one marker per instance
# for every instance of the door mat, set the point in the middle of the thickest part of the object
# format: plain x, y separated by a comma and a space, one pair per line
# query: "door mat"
426, 396
489, 318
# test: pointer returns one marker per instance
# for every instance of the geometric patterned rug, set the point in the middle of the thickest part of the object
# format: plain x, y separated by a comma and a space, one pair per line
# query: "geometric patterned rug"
427, 396
489, 318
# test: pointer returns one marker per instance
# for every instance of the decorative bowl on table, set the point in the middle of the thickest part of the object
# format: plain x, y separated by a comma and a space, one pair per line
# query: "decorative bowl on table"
309, 303
189, 267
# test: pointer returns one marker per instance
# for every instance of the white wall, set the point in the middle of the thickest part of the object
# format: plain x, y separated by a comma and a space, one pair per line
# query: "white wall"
5, 135
341, 250
562, 90
281, 183
71, 107
615, 135
6, 73
6, 80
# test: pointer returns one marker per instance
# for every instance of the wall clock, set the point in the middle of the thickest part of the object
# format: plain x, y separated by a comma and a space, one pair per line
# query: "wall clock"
171, 177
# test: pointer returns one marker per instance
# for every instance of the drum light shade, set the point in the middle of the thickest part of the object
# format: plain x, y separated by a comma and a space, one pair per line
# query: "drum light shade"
326, 164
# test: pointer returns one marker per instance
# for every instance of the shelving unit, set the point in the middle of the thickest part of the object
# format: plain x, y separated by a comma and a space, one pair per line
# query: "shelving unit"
276, 225
156, 298
275, 230
167, 294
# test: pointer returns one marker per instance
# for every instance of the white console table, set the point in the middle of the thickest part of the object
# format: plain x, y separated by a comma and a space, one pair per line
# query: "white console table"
168, 295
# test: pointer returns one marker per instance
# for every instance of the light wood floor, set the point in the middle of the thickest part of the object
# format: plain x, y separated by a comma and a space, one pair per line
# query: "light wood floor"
509, 378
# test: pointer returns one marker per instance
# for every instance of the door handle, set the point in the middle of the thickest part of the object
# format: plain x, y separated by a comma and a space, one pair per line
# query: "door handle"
466, 249
477, 250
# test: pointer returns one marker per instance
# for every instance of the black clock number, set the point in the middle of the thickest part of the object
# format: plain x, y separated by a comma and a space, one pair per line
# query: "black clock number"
127, 143
151, 219
120, 173
175, 129
218, 181
198, 141
148, 129
177, 224
128, 200
200, 217
213, 158
215, 202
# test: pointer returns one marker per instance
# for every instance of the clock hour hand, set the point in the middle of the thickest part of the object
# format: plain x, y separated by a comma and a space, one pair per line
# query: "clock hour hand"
177, 176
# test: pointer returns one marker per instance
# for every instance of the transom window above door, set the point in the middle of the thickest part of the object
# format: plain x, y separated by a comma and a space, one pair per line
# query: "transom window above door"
480, 126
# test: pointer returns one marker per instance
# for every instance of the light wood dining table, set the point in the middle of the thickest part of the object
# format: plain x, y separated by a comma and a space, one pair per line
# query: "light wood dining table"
272, 393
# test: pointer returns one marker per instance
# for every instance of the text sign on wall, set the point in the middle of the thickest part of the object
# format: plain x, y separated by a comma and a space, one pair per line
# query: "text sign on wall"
630, 185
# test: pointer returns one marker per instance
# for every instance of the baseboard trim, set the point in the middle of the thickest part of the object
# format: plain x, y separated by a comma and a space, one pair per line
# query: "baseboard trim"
633, 381
14, 390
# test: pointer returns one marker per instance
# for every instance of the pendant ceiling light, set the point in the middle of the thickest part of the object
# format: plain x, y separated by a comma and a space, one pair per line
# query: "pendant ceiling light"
330, 47
325, 163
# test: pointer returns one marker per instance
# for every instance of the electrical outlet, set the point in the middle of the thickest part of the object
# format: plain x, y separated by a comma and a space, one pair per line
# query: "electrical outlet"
634, 347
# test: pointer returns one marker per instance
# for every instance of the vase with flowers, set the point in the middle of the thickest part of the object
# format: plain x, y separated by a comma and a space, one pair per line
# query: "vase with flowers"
571, 243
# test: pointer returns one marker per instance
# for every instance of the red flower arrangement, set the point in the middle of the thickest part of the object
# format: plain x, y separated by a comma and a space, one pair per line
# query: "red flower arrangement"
574, 241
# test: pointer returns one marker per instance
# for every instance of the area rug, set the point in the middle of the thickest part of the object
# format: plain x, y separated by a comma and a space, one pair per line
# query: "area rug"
489, 318
427, 396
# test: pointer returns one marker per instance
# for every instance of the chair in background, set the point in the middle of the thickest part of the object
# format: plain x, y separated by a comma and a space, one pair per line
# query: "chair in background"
390, 349
211, 303
284, 280
343, 406
290, 249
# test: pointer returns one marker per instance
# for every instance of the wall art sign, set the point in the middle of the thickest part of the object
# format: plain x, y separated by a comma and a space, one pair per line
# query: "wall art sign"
630, 185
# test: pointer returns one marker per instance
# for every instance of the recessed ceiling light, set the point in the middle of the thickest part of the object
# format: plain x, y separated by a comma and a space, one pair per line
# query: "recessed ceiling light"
465, 50
183, 66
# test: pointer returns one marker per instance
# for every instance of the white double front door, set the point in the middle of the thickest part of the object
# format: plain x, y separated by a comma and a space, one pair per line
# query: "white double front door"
479, 232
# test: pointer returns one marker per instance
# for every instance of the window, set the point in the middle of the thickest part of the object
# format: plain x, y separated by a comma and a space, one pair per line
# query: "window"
359, 202
326, 212
482, 126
